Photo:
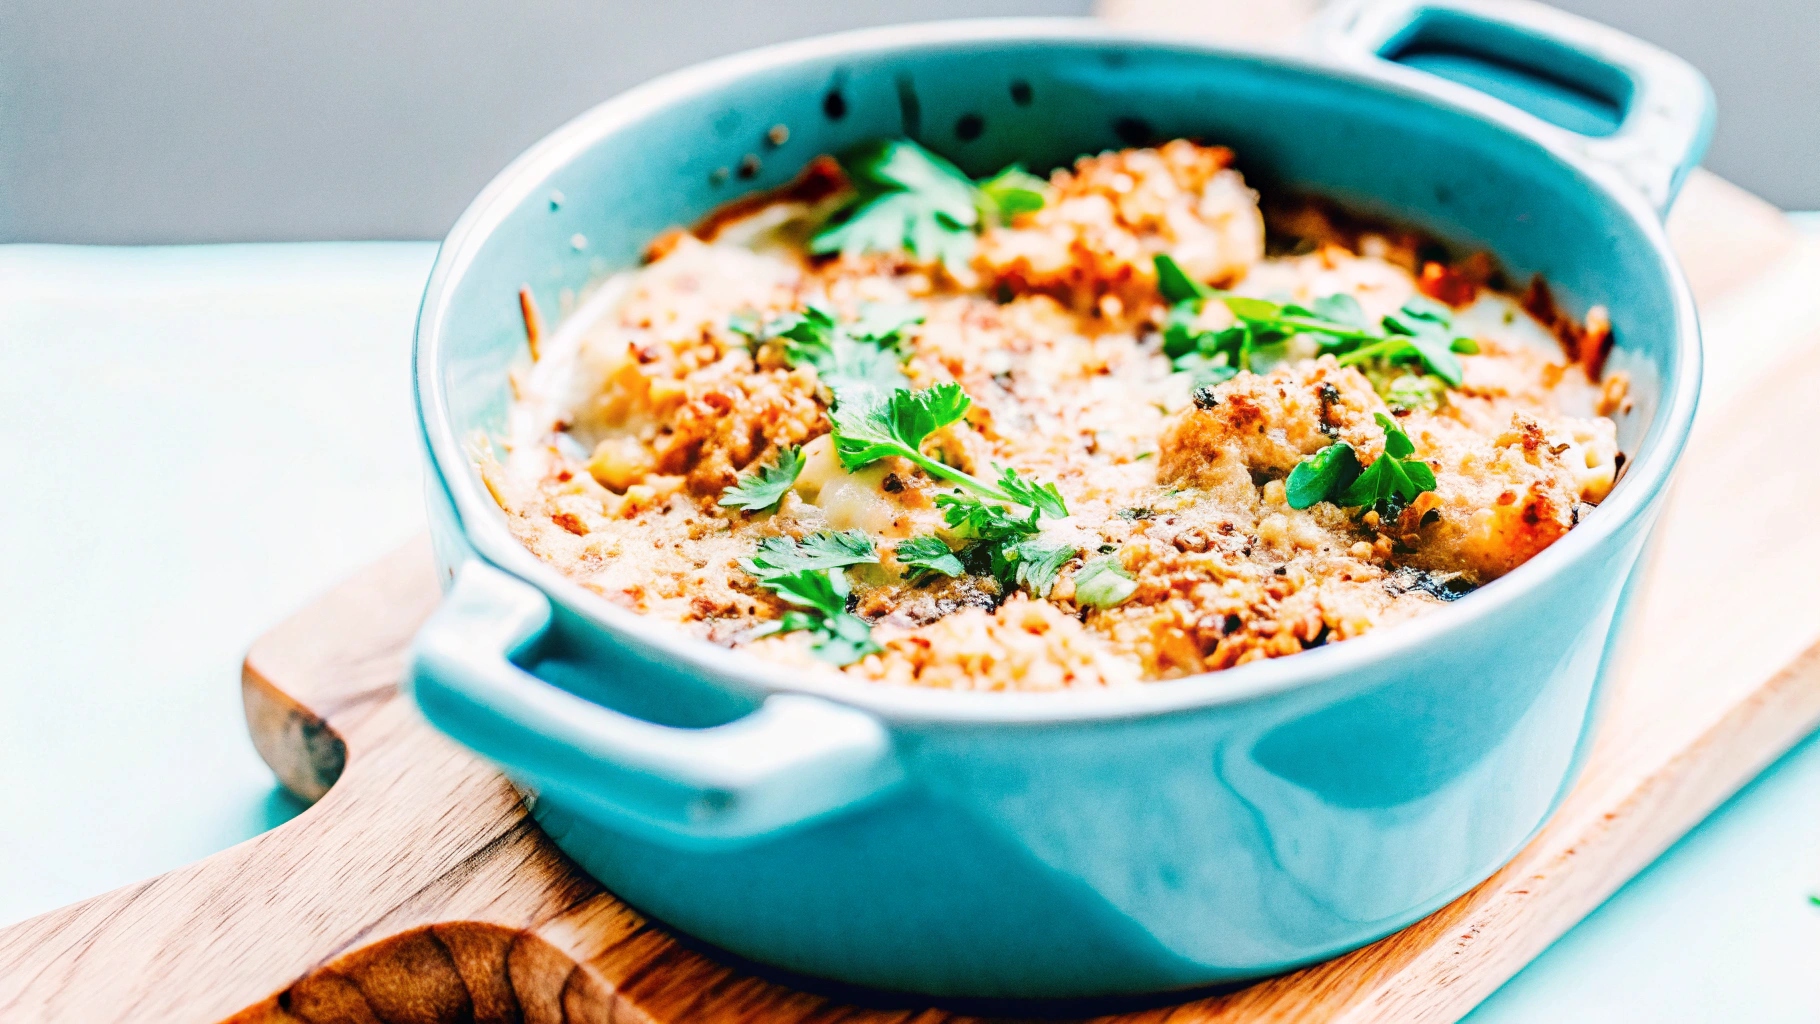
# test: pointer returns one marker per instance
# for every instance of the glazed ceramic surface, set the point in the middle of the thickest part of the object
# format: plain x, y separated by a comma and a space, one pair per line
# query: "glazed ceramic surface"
1149, 838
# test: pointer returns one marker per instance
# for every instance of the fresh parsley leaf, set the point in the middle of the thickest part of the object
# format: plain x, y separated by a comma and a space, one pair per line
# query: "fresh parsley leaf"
1328, 471
820, 550
746, 322
1010, 192
1340, 308
866, 355
969, 518
1174, 284
1205, 371
1397, 444
1103, 583
763, 489
924, 556
1039, 563
1422, 332
896, 424
1003, 545
1024, 491
839, 636
1392, 481
906, 197
1215, 356
885, 323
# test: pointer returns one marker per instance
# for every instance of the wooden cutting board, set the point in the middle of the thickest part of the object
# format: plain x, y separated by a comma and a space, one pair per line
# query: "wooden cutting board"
417, 891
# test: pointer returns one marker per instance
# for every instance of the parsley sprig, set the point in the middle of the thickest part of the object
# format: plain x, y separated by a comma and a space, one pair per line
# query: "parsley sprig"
763, 488
926, 556
878, 426
1002, 544
1392, 481
906, 197
809, 574
867, 354
822, 549
837, 635
1421, 332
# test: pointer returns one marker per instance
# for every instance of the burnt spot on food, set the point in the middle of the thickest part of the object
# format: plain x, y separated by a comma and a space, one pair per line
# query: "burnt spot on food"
1021, 93
1281, 570
1133, 131
1243, 413
1329, 397
969, 127
1442, 586
893, 483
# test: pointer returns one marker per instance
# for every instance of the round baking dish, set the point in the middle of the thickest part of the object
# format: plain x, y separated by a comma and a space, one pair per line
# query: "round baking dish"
1140, 839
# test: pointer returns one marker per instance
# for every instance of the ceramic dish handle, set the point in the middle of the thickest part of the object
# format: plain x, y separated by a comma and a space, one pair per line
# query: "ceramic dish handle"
794, 759
1532, 56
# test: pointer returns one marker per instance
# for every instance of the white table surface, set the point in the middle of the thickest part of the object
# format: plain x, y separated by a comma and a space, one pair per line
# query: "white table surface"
196, 441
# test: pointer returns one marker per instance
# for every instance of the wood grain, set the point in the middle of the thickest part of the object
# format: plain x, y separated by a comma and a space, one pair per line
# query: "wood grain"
417, 890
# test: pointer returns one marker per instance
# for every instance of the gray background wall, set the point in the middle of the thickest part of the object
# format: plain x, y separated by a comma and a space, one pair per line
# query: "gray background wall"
210, 120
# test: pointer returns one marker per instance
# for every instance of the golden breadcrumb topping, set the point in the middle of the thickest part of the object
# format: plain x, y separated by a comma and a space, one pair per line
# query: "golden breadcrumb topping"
660, 396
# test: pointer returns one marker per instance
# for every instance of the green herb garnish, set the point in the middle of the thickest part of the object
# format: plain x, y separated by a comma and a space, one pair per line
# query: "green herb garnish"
764, 488
822, 549
1002, 544
1103, 583
925, 556
839, 636
865, 355
1328, 471
1039, 564
880, 426
1010, 192
1421, 332
808, 574
1392, 481
911, 199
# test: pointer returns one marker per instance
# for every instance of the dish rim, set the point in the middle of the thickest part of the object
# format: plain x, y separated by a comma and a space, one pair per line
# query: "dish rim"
483, 524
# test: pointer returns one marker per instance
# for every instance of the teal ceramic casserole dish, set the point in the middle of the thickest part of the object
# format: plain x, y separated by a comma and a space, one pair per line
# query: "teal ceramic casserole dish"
1134, 840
